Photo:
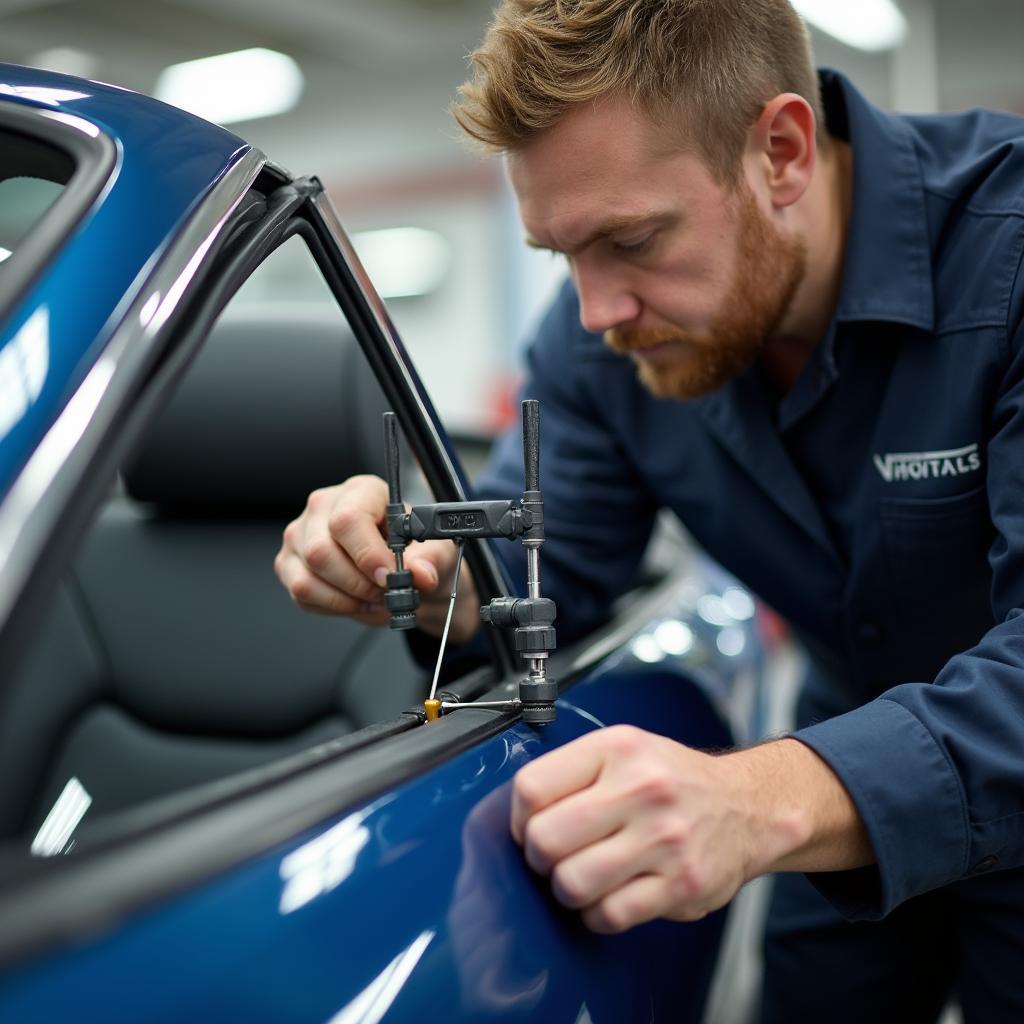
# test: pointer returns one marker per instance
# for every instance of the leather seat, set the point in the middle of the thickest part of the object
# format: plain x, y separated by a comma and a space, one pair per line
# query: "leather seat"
172, 655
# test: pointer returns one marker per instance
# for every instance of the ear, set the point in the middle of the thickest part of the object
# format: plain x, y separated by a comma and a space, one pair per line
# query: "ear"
783, 144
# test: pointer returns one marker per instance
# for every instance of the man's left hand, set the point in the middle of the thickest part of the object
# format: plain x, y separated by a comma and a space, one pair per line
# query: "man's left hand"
632, 826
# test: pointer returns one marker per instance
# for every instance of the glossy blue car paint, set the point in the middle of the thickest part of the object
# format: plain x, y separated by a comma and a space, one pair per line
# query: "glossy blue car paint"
166, 162
415, 906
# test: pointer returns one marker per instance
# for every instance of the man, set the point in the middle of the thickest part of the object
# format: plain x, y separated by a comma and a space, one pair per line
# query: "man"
794, 320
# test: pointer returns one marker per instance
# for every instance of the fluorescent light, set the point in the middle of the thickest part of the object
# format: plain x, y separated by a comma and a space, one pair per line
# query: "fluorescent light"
230, 87
402, 262
866, 24
4, 253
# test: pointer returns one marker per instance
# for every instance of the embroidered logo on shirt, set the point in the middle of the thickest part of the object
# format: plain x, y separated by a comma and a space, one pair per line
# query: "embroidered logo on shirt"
896, 466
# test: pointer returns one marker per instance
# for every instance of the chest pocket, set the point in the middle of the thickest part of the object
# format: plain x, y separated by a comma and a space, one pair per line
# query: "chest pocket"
936, 554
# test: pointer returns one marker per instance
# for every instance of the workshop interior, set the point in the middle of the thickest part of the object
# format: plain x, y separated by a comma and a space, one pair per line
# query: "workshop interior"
218, 807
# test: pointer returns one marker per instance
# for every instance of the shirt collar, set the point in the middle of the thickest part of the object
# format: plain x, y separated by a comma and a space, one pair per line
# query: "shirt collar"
887, 266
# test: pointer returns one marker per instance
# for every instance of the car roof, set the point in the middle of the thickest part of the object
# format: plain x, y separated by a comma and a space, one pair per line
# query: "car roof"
153, 166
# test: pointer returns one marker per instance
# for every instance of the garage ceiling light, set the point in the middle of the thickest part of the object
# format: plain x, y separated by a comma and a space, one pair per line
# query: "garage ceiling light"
866, 25
230, 87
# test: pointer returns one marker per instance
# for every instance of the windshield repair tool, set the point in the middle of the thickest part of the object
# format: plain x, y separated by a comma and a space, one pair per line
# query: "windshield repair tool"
531, 617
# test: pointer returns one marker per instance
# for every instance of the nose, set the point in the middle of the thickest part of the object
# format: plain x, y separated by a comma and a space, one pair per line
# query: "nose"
605, 300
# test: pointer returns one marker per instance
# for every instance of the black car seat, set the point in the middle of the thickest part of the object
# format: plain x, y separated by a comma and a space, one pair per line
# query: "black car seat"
173, 656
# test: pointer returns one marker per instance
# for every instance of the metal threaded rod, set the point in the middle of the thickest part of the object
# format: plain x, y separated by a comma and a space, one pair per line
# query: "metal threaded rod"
504, 705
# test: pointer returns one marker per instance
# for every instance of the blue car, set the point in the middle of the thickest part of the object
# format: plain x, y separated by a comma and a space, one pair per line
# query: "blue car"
214, 806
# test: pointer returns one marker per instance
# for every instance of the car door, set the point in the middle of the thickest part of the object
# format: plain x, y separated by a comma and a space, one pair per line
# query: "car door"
359, 873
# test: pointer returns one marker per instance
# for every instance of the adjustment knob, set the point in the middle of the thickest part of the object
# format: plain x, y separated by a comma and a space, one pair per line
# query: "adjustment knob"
401, 599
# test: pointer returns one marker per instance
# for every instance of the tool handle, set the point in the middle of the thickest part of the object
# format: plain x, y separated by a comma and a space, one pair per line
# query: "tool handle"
391, 458
531, 444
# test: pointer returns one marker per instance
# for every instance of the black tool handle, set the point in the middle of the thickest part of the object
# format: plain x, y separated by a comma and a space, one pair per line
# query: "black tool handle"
391, 458
531, 444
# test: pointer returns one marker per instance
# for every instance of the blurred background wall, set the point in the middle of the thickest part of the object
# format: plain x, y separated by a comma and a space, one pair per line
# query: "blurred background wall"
370, 119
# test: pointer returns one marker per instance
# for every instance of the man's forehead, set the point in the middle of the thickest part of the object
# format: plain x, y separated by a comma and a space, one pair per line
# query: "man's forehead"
555, 166
588, 139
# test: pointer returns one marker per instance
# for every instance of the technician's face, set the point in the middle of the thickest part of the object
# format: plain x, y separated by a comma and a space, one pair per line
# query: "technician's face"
685, 275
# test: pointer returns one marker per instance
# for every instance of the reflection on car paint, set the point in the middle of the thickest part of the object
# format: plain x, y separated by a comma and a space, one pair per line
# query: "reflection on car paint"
24, 361
86, 127
375, 1000
59, 825
325, 862
41, 94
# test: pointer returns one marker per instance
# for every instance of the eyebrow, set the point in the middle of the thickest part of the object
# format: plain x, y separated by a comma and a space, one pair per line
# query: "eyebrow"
610, 227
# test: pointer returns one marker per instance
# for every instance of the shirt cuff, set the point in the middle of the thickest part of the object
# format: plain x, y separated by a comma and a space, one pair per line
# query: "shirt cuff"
910, 799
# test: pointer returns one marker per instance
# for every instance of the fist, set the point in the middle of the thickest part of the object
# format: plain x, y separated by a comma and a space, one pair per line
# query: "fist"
630, 826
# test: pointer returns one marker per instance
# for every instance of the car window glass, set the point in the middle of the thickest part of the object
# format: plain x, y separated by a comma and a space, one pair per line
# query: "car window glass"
173, 657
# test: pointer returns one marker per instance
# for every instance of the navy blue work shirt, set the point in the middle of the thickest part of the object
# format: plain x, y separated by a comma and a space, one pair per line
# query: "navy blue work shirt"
879, 505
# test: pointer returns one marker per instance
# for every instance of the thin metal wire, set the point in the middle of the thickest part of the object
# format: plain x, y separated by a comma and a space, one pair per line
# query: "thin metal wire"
448, 620
505, 704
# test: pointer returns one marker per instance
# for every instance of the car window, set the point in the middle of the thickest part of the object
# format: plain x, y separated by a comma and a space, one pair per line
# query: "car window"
33, 174
172, 657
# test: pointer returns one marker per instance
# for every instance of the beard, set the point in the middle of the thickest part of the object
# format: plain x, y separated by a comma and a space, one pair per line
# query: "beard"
769, 269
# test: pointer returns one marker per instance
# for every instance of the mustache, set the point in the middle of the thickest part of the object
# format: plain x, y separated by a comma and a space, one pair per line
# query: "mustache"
643, 337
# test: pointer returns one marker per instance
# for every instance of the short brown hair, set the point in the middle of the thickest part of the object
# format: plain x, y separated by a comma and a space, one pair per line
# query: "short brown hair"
719, 61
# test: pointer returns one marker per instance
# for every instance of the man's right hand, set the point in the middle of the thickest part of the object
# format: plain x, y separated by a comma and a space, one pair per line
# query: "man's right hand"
334, 560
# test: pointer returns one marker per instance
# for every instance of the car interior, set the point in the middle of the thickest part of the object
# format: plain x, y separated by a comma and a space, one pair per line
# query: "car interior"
172, 655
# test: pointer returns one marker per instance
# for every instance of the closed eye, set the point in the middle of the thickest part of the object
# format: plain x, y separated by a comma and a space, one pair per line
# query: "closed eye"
634, 248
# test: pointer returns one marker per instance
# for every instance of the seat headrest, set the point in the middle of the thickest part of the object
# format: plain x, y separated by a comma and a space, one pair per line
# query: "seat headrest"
277, 403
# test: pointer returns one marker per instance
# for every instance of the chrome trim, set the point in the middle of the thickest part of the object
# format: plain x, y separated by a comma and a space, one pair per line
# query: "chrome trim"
32, 509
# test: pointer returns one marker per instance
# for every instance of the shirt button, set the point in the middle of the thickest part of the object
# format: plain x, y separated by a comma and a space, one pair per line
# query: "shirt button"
868, 633
983, 865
